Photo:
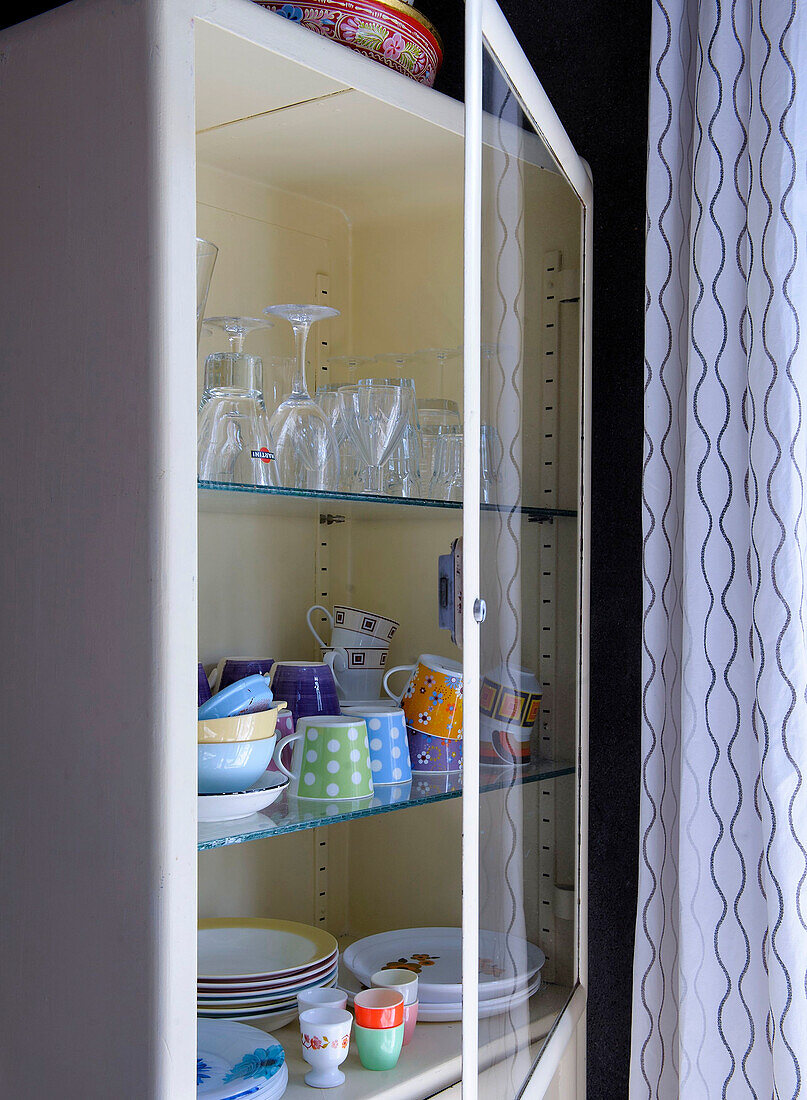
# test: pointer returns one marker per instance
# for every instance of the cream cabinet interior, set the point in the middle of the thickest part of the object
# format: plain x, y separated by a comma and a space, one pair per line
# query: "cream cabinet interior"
320, 177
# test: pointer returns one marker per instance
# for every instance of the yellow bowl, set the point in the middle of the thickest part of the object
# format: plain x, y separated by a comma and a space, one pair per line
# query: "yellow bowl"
244, 727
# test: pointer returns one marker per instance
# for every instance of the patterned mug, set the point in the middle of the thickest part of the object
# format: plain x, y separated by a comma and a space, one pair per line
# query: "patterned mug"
509, 702
432, 699
331, 759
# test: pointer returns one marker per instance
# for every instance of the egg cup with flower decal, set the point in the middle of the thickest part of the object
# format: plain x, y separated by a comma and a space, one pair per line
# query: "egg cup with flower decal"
432, 698
325, 1039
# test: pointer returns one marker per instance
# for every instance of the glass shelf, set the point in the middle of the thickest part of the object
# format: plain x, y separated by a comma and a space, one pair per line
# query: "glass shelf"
215, 496
290, 814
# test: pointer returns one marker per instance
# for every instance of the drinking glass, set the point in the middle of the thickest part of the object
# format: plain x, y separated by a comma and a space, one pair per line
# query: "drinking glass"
490, 458
235, 444
206, 253
277, 380
446, 483
306, 450
233, 367
403, 469
436, 416
375, 416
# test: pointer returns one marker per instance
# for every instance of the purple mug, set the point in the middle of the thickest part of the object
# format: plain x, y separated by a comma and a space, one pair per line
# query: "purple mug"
433, 754
204, 686
230, 669
307, 686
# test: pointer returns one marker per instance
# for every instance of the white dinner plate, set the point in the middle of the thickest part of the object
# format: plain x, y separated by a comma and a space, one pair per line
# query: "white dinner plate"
507, 964
439, 1013
232, 948
239, 1004
233, 1060
231, 807
265, 998
269, 1019
250, 985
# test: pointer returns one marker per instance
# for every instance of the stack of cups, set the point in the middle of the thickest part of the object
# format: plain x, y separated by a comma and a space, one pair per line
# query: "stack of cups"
379, 1027
404, 982
358, 649
432, 704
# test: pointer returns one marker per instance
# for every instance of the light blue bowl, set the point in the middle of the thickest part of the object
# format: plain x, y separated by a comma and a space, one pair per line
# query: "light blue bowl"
233, 766
247, 696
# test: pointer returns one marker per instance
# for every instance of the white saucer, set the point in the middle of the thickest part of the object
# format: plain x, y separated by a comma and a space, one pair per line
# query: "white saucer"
229, 807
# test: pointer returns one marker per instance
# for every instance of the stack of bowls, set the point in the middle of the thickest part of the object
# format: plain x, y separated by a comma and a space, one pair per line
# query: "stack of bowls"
236, 735
235, 752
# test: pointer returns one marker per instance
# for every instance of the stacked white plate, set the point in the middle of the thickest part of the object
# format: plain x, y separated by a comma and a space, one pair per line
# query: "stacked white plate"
251, 969
233, 1060
509, 968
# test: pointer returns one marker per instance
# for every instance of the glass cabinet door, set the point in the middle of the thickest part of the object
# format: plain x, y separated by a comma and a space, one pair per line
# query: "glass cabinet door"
530, 569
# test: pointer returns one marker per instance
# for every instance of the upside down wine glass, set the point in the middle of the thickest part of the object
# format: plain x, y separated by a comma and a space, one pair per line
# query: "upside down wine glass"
306, 450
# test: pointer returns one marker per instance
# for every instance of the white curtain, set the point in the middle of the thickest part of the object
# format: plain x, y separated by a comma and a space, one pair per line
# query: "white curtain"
720, 968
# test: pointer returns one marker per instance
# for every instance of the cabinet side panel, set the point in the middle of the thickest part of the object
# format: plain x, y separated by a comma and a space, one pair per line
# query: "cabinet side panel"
86, 885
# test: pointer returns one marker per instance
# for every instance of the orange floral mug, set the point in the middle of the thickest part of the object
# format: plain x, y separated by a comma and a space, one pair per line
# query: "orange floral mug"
432, 699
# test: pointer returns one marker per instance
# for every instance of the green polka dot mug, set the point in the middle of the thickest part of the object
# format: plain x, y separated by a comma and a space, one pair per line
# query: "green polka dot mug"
331, 758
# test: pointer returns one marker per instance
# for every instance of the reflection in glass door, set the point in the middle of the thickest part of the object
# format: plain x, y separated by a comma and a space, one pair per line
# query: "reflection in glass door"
530, 435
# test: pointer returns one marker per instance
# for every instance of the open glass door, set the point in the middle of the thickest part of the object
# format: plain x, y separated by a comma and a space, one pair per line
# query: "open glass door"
526, 329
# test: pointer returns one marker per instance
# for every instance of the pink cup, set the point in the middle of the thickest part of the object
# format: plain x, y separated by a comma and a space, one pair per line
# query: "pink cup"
410, 1019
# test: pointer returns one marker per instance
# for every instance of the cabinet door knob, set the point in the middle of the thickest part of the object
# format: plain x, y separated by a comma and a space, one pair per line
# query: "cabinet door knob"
480, 609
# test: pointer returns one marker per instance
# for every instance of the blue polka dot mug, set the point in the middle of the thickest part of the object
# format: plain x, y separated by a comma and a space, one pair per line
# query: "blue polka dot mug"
330, 760
389, 746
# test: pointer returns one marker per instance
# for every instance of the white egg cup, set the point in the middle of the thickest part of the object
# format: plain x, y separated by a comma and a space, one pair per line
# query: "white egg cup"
325, 1039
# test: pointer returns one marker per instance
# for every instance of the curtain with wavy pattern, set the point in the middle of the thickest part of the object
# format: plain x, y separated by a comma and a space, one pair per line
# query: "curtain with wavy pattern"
720, 966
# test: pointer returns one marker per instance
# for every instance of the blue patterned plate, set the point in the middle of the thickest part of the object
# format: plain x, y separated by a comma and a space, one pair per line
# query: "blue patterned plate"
235, 1061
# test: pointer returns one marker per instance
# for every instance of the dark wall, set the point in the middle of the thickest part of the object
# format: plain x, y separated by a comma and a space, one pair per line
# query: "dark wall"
592, 59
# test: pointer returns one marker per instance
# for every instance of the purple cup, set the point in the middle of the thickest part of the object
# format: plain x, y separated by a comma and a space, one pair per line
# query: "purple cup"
433, 754
204, 686
236, 668
307, 686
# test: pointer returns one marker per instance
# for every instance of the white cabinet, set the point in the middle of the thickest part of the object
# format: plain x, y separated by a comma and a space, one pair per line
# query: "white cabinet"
129, 128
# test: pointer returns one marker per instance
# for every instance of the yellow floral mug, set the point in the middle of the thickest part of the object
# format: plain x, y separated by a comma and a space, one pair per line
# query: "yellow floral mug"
432, 699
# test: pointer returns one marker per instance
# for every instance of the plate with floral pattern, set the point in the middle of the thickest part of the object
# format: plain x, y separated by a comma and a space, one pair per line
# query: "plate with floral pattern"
506, 963
234, 1061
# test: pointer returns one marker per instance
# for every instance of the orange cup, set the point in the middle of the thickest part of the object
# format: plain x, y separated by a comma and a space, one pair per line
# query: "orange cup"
432, 699
379, 1008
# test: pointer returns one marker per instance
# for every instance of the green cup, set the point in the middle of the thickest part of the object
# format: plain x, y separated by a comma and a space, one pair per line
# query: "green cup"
379, 1047
331, 758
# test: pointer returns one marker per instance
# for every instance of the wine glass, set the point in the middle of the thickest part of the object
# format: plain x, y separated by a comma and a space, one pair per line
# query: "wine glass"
306, 450
405, 462
233, 367
206, 253
327, 397
439, 358
346, 367
375, 416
